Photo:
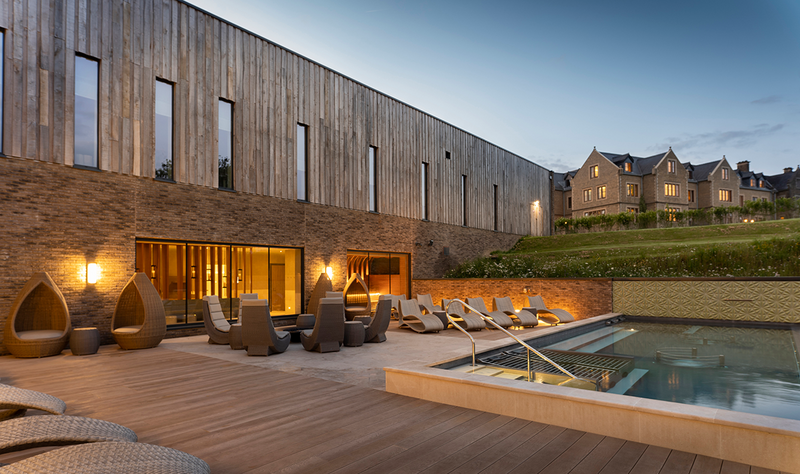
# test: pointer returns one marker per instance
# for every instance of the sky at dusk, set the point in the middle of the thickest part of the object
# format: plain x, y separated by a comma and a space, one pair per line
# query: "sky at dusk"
550, 80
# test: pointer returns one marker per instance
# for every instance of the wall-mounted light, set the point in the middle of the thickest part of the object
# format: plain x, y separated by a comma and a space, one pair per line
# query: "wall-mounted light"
535, 204
239, 275
194, 272
153, 272
92, 273
329, 272
208, 272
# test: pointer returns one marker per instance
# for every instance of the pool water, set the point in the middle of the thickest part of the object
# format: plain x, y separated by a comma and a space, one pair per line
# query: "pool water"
741, 369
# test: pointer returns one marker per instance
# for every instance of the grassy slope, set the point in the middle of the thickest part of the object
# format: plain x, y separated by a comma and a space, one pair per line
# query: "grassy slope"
758, 249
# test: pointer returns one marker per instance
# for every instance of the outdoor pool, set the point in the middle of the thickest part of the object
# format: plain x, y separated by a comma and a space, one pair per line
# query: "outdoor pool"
751, 370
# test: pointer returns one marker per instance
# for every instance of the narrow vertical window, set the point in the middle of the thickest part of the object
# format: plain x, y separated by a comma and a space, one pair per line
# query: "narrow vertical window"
86, 105
225, 141
495, 207
302, 163
424, 191
373, 179
163, 129
464, 200
2, 56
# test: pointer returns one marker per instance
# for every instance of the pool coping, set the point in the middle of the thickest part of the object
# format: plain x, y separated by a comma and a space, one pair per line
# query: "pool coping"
760, 440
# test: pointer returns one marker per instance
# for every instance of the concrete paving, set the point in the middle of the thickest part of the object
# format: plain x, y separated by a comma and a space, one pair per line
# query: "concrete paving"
362, 365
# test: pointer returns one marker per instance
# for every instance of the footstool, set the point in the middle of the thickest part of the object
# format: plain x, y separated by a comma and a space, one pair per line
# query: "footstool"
84, 341
235, 337
353, 333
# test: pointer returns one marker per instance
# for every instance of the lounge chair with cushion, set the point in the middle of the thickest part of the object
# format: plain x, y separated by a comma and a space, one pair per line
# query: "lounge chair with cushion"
498, 317
376, 330
411, 316
117, 457
259, 336
328, 332
426, 304
15, 401
139, 320
552, 316
38, 324
242, 297
217, 326
522, 317
356, 298
38, 431
469, 321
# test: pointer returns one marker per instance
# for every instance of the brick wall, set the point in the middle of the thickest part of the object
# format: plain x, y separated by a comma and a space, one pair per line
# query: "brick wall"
583, 297
56, 218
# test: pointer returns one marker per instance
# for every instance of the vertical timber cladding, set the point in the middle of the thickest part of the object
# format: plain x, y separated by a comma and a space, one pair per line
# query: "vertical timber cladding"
272, 90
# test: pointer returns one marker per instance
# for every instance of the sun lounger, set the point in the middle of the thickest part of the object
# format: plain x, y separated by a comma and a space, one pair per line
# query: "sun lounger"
522, 317
411, 316
426, 304
328, 332
376, 330
469, 321
15, 401
116, 457
552, 316
259, 336
498, 317
37, 431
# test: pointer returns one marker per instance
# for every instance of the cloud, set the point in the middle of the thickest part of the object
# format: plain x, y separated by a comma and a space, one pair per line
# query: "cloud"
555, 164
767, 100
733, 138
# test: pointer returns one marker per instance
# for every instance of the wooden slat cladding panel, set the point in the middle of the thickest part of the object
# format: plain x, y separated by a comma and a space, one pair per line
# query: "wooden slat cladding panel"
272, 89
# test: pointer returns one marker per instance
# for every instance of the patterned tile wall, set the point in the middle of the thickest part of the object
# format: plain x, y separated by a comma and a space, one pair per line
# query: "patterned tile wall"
754, 300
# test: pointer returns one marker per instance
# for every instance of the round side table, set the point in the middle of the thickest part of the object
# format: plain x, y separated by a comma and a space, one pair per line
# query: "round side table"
84, 341
353, 333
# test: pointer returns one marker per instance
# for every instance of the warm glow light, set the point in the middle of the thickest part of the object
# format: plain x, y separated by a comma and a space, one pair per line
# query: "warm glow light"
92, 273
329, 272
535, 204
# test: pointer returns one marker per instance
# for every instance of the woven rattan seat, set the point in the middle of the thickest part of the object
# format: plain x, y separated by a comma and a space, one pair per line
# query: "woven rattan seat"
116, 457
14, 401
38, 324
139, 320
36, 431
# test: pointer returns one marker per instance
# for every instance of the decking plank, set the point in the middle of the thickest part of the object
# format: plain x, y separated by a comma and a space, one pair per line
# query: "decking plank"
651, 461
549, 453
730, 467
678, 462
705, 464
594, 462
624, 460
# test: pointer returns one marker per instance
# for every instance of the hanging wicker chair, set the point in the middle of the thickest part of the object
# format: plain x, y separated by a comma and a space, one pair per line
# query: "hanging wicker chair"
38, 324
139, 320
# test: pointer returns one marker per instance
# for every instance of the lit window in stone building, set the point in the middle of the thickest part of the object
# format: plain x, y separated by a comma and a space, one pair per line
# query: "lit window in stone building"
587, 195
725, 173
594, 171
633, 190
628, 167
671, 166
725, 195
601, 192
671, 189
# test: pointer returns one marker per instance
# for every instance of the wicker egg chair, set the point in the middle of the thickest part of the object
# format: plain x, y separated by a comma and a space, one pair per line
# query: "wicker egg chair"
139, 320
38, 324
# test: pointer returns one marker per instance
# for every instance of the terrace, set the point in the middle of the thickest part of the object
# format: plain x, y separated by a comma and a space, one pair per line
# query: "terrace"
307, 412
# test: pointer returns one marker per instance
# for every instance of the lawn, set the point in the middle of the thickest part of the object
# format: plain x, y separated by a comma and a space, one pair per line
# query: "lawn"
770, 248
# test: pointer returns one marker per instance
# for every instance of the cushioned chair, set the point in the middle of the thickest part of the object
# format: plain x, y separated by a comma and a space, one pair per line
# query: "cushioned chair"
258, 334
469, 321
356, 298
552, 316
411, 316
242, 297
376, 330
328, 332
498, 317
139, 320
522, 317
38, 324
217, 326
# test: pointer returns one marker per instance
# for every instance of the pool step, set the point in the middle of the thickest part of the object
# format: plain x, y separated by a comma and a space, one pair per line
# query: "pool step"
626, 383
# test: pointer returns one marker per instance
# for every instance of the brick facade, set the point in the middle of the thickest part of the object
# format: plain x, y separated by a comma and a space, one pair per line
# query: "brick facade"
56, 218
583, 297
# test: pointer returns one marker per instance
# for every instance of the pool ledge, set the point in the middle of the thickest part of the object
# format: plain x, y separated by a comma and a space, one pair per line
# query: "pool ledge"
764, 441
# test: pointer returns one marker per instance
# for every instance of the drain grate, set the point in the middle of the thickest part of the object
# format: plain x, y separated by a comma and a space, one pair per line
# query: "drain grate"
606, 370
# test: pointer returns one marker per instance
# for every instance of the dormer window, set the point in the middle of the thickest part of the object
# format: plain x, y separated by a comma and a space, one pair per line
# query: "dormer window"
670, 166
594, 171
752, 183
760, 183
628, 167
725, 173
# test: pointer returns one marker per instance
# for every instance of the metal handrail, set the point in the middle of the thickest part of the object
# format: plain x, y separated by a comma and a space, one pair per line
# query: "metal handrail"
529, 348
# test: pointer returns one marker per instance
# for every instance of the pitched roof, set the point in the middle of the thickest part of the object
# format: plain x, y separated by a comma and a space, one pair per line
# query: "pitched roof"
560, 180
639, 166
702, 170
780, 181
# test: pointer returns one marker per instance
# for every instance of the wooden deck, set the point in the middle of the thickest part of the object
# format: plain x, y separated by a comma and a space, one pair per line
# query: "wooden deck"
241, 418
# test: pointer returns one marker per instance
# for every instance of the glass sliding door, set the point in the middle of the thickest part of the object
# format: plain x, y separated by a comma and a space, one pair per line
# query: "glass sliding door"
185, 272
383, 272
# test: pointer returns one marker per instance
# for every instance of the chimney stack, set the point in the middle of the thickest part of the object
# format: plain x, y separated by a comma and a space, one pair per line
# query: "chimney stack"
788, 170
743, 166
